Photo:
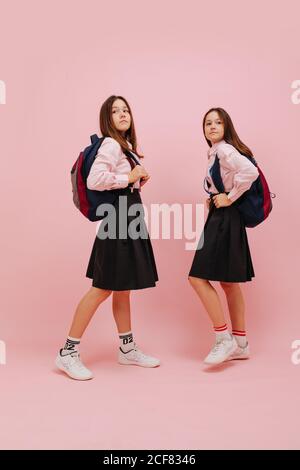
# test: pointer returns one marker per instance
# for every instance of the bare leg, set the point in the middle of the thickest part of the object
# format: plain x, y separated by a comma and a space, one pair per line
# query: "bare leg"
236, 304
210, 300
128, 352
121, 310
86, 309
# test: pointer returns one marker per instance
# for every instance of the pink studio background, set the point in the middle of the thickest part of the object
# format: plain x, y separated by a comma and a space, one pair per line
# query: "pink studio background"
172, 60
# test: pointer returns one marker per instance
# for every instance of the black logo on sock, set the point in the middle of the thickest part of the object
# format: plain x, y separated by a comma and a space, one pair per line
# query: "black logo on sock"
127, 339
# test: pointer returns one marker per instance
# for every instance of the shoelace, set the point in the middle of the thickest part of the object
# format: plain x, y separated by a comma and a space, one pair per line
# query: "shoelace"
76, 360
216, 347
139, 352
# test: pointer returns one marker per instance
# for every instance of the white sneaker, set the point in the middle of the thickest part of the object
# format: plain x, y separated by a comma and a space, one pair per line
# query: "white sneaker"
138, 358
240, 353
222, 349
72, 366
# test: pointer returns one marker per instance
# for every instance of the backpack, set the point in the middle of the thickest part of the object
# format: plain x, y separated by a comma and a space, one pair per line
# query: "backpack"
88, 200
255, 204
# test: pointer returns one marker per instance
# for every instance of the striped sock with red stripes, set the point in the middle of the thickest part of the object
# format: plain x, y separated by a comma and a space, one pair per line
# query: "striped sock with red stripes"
222, 331
240, 336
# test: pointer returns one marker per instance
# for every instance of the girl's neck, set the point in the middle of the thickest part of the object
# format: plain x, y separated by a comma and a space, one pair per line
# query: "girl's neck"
215, 144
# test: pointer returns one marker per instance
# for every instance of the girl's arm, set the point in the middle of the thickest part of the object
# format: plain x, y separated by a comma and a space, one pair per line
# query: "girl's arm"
244, 171
103, 175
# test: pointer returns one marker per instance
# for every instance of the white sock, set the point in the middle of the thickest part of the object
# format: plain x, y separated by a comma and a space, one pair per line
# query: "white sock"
222, 332
126, 341
71, 345
241, 341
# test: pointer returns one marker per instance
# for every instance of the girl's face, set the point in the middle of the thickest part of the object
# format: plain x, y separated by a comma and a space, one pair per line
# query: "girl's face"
214, 127
121, 116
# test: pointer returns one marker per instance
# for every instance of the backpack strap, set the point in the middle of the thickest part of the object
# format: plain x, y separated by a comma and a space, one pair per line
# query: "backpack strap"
131, 157
215, 174
94, 138
206, 183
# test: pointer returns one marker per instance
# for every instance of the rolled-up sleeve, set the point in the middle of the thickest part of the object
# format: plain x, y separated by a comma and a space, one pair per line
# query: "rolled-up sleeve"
103, 174
245, 173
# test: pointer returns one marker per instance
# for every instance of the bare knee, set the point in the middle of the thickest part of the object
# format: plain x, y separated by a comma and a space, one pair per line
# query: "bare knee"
196, 281
121, 294
100, 294
192, 280
227, 286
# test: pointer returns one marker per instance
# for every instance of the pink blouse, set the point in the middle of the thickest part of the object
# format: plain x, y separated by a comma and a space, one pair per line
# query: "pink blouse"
237, 172
110, 168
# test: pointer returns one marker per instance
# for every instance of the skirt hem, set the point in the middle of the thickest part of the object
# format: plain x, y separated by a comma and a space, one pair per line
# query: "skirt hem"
207, 278
134, 287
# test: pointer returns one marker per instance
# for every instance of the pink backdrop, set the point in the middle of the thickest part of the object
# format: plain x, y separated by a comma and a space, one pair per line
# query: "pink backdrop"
172, 61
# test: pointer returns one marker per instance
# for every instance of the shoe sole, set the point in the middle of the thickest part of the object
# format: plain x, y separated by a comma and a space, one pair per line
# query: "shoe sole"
61, 368
237, 358
224, 360
132, 363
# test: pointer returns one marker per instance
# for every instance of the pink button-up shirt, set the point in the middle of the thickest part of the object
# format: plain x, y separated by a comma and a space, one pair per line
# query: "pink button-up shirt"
110, 168
237, 172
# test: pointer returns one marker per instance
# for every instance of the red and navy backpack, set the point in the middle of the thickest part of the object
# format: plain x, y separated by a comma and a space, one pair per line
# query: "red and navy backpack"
255, 204
87, 200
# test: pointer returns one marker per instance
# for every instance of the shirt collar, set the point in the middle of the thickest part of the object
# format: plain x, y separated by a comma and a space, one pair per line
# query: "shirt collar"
214, 147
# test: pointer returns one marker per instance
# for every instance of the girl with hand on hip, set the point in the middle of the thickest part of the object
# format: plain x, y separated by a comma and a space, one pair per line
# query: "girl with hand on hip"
223, 252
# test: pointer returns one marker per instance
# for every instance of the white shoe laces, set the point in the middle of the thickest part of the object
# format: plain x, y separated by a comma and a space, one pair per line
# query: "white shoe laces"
217, 347
139, 355
76, 360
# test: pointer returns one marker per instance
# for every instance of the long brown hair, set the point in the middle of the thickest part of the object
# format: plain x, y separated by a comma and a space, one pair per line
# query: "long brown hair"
230, 134
108, 128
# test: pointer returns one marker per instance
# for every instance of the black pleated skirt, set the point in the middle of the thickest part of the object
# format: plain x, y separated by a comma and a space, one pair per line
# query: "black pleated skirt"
123, 263
223, 252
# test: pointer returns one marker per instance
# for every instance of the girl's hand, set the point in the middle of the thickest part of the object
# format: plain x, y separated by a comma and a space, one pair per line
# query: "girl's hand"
144, 180
137, 173
221, 200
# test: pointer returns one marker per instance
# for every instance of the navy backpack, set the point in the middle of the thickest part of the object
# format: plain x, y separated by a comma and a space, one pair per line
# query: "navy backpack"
255, 204
87, 200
